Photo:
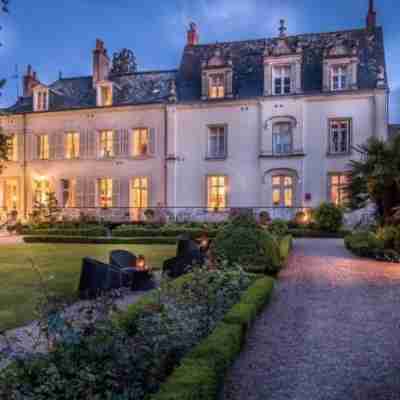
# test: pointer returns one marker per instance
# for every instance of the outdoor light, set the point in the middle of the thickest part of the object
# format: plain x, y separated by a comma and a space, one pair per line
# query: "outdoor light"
204, 241
141, 263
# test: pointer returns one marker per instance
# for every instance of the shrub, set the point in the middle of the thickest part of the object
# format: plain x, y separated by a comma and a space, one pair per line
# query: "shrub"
99, 240
328, 217
364, 244
94, 231
244, 242
132, 231
285, 245
279, 227
259, 293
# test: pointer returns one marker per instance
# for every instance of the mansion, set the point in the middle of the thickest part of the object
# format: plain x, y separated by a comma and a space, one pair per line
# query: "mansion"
265, 123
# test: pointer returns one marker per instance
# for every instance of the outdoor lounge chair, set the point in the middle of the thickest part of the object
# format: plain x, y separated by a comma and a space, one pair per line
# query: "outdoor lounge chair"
125, 261
97, 278
188, 253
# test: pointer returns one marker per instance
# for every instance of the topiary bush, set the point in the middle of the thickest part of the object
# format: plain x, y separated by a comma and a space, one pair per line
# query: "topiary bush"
242, 241
279, 227
328, 217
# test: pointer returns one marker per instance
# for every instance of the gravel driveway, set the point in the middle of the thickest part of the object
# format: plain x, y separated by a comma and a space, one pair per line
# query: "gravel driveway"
331, 331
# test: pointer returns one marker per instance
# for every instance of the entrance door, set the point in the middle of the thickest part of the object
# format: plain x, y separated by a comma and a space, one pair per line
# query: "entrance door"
282, 191
11, 195
139, 197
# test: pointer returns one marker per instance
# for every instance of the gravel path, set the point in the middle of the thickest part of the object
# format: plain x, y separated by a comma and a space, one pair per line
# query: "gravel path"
331, 331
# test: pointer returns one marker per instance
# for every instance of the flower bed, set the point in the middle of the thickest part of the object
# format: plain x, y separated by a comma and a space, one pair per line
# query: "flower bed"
190, 323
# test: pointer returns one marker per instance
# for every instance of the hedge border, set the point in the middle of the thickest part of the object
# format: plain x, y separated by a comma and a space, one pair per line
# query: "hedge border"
200, 373
99, 240
316, 234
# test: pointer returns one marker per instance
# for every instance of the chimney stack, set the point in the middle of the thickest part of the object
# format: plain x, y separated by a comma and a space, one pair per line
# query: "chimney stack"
30, 80
101, 63
371, 17
192, 35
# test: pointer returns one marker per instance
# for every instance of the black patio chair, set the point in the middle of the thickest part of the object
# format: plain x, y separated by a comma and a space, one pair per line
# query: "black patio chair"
126, 262
188, 254
98, 277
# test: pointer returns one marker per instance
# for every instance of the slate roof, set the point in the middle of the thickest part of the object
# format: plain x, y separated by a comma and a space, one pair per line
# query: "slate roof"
248, 76
394, 130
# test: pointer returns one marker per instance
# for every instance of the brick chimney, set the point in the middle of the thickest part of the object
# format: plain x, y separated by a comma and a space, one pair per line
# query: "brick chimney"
101, 63
30, 80
371, 16
192, 35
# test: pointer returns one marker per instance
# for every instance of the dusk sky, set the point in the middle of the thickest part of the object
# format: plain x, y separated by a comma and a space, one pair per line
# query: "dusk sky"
57, 36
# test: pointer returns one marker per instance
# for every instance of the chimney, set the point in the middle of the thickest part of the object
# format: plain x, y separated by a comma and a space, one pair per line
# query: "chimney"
101, 63
371, 17
30, 80
192, 35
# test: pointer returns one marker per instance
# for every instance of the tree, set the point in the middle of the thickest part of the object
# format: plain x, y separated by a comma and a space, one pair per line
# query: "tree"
376, 176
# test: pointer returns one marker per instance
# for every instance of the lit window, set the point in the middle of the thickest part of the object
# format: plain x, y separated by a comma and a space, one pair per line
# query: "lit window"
217, 142
339, 136
217, 192
141, 142
338, 188
72, 145
11, 194
217, 86
282, 191
106, 144
105, 191
43, 147
282, 138
41, 191
68, 187
140, 192
339, 79
106, 96
12, 148
281, 80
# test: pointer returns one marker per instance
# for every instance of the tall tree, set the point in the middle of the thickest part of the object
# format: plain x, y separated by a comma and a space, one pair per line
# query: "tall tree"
376, 176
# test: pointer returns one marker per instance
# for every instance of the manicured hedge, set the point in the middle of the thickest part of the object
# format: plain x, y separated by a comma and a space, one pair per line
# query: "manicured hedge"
96, 231
201, 372
99, 240
148, 232
317, 234
285, 245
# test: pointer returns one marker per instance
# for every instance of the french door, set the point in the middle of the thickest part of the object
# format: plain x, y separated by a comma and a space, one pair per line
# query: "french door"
283, 191
139, 196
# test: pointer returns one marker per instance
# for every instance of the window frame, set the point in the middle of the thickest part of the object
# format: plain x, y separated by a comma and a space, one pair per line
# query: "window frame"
282, 187
12, 147
139, 131
103, 149
216, 92
108, 201
349, 141
343, 74
224, 133
342, 197
43, 147
225, 186
281, 77
71, 190
276, 134
42, 189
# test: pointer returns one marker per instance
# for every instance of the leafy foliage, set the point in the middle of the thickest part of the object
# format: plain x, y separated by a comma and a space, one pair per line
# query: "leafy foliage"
328, 217
376, 177
279, 228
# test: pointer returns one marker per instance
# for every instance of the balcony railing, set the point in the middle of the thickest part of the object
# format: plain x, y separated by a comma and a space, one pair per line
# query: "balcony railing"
273, 154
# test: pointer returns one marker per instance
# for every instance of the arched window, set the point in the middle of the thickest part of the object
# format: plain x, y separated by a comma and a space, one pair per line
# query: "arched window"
282, 142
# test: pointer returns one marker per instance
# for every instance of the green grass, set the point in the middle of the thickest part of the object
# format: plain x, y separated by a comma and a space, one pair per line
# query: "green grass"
62, 262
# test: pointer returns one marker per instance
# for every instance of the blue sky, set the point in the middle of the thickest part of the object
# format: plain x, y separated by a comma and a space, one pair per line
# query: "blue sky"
59, 35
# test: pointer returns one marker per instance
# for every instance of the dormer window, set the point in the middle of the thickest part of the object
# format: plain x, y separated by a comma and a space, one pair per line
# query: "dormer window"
40, 98
281, 79
217, 76
216, 86
105, 94
339, 79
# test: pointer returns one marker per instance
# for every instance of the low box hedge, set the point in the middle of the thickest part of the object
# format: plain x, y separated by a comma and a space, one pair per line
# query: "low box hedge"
99, 240
285, 246
160, 232
317, 234
200, 373
97, 231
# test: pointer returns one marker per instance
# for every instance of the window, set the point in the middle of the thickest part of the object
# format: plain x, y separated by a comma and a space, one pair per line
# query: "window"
106, 96
217, 192
140, 192
41, 191
106, 144
282, 191
43, 147
41, 100
337, 188
339, 79
105, 192
141, 142
72, 145
282, 138
216, 86
281, 79
11, 194
339, 136
217, 142
68, 187
12, 148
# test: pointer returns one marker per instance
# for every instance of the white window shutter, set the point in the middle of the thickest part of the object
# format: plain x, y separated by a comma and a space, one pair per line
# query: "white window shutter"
117, 142
349, 73
83, 143
20, 145
292, 78
60, 145
91, 185
152, 141
116, 189
80, 192
92, 144
33, 147
124, 137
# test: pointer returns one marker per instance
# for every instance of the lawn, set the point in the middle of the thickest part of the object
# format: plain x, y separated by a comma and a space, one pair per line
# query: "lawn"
61, 262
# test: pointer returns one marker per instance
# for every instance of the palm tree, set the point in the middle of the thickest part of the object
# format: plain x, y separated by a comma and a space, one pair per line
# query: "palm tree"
376, 176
